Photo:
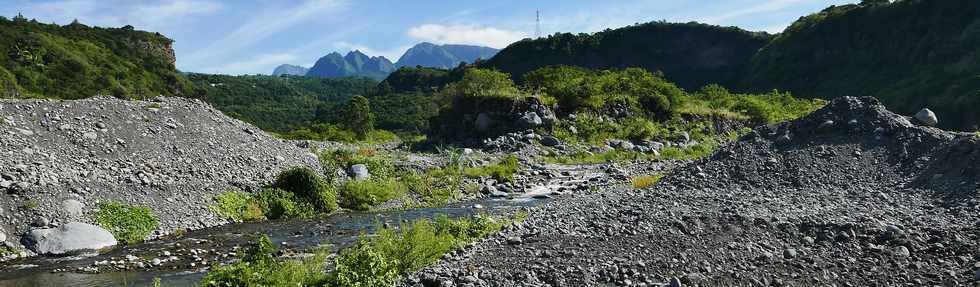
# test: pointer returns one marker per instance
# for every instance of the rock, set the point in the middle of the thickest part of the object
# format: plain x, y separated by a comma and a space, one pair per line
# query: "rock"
90, 135
3, 236
674, 282
901, 251
360, 172
70, 237
73, 208
550, 141
626, 145
789, 253
926, 117
514, 240
573, 130
467, 151
26, 132
530, 120
156, 262
483, 122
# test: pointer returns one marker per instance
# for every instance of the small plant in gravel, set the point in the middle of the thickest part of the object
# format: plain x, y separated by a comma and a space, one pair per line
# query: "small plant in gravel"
502, 171
645, 181
129, 224
29, 205
364, 194
304, 182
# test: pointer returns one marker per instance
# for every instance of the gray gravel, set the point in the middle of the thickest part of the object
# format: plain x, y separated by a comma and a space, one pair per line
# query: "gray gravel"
851, 195
61, 158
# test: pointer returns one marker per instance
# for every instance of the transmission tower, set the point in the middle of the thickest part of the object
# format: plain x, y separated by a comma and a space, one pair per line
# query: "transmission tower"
537, 24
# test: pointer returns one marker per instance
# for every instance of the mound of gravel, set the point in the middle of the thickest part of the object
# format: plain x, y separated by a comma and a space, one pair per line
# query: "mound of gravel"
850, 195
61, 158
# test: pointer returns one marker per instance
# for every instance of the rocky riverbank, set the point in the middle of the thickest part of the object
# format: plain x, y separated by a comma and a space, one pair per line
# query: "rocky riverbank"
848, 195
60, 159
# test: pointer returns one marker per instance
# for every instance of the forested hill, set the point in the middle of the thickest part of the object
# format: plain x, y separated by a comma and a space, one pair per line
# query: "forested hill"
909, 54
76, 61
690, 54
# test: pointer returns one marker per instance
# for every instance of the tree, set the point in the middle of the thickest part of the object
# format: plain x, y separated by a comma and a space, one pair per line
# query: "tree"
359, 116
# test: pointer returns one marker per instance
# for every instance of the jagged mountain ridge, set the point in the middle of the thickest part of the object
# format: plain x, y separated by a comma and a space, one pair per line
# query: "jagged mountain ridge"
355, 63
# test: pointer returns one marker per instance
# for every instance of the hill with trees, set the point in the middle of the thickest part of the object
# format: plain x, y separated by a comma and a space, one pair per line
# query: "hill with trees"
689, 54
75, 61
909, 54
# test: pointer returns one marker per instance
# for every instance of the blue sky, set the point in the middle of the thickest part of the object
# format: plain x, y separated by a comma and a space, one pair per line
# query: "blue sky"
254, 36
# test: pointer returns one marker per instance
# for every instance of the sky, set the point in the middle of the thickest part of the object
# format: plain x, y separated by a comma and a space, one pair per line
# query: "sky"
254, 36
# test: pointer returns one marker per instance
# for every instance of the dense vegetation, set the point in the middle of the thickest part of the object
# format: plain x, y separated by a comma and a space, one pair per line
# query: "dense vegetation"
278, 104
690, 54
909, 54
76, 61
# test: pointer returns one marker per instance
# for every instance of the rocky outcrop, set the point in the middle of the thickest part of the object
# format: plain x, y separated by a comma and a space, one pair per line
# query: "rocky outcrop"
61, 158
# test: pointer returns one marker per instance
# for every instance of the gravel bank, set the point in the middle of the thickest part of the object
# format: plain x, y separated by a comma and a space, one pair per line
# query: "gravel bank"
851, 195
61, 158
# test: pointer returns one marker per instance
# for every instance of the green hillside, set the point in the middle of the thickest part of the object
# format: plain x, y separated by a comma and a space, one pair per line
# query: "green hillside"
909, 54
76, 61
689, 54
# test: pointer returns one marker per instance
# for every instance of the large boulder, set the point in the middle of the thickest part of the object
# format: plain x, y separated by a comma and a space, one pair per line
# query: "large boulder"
68, 238
926, 117
360, 172
550, 141
530, 120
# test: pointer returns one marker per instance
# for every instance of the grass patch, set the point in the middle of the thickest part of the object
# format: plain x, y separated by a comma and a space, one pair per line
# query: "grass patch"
238, 206
380, 165
362, 195
645, 181
502, 171
603, 157
128, 224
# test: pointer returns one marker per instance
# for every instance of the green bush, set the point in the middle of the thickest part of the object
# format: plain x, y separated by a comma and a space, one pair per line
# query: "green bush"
364, 194
363, 266
380, 165
279, 204
305, 183
127, 223
502, 171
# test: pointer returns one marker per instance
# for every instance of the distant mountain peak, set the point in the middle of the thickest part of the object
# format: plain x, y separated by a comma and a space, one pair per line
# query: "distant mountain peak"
443, 56
291, 70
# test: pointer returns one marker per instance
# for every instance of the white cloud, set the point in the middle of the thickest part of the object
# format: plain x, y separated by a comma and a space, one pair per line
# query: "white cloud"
764, 7
466, 34
260, 62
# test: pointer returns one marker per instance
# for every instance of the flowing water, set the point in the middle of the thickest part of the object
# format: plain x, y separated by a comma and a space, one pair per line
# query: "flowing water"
194, 251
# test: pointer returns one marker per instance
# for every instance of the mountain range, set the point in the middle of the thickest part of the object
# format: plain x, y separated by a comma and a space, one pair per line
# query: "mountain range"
356, 63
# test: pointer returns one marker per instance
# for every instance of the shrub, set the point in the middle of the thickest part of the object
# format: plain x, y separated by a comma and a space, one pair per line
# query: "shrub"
363, 266
364, 194
278, 204
128, 224
502, 171
645, 181
305, 183
238, 206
